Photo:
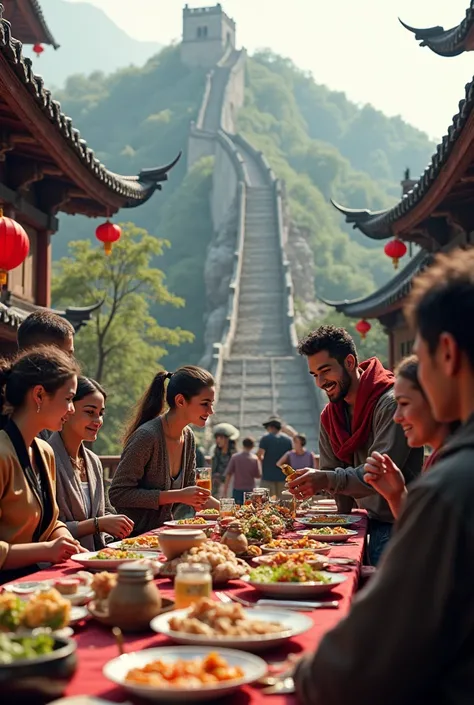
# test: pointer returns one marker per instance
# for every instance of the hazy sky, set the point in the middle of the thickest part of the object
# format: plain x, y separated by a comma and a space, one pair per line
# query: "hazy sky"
357, 46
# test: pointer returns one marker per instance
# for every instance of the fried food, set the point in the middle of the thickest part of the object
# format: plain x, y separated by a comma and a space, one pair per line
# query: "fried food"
192, 674
209, 618
141, 542
293, 544
103, 584
288, 471
223, 562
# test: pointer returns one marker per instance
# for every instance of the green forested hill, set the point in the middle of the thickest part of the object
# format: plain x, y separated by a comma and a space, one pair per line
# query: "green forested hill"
320, 143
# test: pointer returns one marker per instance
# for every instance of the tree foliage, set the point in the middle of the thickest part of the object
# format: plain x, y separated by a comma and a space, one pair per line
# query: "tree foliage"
123, 345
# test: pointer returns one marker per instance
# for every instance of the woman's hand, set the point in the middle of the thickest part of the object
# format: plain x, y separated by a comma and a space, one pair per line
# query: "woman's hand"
117, 525
384, 476
194, 496
61, 549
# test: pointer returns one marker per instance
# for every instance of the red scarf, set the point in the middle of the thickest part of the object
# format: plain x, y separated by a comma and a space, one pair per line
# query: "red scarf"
374, 381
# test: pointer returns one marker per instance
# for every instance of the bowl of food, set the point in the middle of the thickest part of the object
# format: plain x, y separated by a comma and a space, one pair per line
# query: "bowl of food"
174, 542
35, 668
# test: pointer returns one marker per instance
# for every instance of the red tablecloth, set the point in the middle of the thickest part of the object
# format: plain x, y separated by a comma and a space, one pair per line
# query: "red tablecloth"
96, 644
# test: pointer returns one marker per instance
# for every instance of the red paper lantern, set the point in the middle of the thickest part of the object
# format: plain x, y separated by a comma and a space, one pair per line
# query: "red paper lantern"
108, 233
396, 249
38, 49
14, 246
363, 327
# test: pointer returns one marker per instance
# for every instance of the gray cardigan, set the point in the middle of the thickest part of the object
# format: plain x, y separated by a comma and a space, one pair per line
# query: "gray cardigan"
69, 495
144, 471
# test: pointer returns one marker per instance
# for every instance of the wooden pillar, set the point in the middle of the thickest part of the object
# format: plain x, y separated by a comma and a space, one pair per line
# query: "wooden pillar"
391, 349
43, 268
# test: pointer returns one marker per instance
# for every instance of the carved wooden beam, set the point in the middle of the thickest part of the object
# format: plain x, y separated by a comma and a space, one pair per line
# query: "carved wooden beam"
30, 214
52, 196
6, 144
22, 173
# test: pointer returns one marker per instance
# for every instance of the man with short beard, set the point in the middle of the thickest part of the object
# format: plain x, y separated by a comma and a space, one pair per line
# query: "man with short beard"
357, 421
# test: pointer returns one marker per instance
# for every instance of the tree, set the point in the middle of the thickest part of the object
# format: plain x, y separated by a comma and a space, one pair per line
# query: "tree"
123, 345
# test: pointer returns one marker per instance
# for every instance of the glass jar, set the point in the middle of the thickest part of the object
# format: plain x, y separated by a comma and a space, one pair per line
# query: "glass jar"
193, 581
227, 507
287, 501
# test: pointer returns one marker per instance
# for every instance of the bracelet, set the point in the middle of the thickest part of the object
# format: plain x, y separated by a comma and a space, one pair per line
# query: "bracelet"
96, 525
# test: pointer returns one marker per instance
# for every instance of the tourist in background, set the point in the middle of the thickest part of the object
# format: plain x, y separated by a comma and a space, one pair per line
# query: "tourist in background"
299, 457
421, 429
273, 445
392, 646
357, 421
157, 470
243, 469
226, 437
36, 392
82, 497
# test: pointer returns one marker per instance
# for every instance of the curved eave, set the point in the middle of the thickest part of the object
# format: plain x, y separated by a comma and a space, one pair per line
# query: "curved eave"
112, 189
453, 155
37, 12
446, 42
387, 297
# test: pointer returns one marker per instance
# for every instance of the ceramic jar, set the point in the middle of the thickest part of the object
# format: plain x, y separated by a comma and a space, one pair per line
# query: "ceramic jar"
135, 600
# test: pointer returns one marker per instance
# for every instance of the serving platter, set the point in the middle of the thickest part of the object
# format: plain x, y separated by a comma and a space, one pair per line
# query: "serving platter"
292, 623
298, 590
333, 538
116, 670
91, 562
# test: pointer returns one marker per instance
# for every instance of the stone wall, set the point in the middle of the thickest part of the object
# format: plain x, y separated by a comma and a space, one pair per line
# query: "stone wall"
207, 32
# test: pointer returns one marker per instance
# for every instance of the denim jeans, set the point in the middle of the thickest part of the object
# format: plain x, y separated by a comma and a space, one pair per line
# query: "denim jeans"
379, 536
238, 495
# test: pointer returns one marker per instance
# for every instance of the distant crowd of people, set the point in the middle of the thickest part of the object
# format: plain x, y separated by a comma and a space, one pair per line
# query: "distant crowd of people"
408, 637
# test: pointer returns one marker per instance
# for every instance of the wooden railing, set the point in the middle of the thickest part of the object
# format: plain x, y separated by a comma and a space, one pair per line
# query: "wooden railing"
109, 463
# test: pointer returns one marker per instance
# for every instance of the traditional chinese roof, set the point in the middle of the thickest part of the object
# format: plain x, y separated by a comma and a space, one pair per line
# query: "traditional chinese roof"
448, 42
442, 195
47, 154
388, 297
28, 22
13, 315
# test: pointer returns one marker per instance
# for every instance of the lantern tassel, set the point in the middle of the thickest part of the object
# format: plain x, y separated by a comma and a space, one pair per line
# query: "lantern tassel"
3, 277
396, 262
108, 248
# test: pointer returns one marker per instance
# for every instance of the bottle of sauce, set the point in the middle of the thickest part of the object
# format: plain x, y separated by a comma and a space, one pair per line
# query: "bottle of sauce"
193, 581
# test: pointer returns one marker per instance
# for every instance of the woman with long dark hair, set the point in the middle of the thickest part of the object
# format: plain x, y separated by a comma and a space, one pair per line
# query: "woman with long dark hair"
157, 470
82, 497
414, 415
36, 392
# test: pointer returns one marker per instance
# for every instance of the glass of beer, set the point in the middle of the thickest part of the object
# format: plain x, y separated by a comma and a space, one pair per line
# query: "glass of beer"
193, 581
227, 507
203, 478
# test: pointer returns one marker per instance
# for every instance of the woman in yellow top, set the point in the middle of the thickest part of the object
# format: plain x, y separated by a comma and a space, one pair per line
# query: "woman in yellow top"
36, 392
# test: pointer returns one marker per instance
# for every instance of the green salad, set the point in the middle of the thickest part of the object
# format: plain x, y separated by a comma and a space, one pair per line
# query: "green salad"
287, 573
27, 647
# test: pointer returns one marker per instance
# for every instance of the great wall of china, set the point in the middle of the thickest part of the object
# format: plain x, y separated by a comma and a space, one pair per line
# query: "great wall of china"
255, 362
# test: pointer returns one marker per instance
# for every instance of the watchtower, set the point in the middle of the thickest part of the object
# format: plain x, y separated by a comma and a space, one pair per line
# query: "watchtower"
207, 33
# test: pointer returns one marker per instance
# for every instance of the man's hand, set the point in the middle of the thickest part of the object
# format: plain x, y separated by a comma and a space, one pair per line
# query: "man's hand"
307, 482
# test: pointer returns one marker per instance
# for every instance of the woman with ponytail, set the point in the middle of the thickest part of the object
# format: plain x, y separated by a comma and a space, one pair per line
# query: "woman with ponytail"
36, 390
157, 470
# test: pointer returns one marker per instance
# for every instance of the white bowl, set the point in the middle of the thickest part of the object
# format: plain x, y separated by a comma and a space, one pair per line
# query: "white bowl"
116, 670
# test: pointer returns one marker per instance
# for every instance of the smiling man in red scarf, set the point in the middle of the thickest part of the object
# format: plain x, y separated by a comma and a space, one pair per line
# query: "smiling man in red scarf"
357, 421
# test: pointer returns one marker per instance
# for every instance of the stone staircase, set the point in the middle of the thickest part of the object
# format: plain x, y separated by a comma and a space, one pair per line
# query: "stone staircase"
263, 374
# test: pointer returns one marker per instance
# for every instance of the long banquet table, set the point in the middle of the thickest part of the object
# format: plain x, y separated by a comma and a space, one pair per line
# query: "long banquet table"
96, 644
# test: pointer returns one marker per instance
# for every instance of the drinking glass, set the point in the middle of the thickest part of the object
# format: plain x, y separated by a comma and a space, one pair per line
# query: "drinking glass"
227, 507
192, 582
203, 478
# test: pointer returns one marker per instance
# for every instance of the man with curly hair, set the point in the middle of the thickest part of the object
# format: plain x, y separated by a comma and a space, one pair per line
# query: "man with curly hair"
357, 421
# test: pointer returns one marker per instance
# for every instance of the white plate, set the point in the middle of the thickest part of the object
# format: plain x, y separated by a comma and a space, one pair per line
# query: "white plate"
331, 521
207, 517
317, 559
336, 538
89, 561
24, 590
298, 590
293, 624
123, 547
116, 670
209, 522
321, 550
78, 614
